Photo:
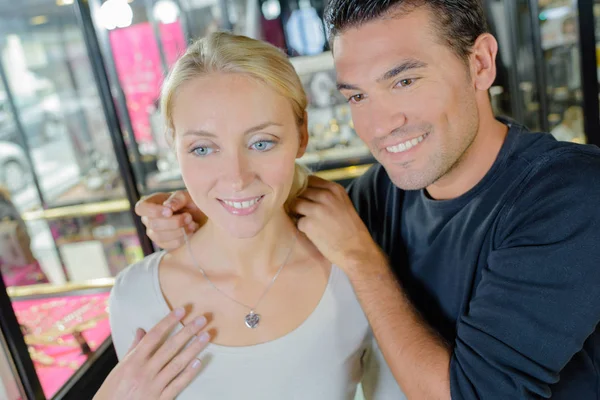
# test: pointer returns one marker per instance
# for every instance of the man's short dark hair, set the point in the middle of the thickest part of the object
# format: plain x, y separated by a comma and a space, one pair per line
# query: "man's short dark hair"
459, 22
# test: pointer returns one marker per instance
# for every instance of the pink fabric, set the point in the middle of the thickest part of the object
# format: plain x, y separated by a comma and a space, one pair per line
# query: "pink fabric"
137, 60
173, 41
32, 314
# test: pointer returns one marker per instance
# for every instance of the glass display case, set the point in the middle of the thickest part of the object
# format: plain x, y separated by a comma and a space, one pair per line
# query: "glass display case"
66, 225
560, 53
140, 52
541, 55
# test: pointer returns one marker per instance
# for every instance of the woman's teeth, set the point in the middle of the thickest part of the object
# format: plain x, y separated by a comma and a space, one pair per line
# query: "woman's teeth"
409, 144
242, 204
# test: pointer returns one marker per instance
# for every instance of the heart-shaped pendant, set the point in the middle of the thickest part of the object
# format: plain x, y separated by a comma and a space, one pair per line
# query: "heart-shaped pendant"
252, 320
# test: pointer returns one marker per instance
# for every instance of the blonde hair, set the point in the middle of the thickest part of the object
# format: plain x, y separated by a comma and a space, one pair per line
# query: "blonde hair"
4, 193
229, 53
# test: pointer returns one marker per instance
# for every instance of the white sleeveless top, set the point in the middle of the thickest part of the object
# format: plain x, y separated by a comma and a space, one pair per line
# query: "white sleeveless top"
325, 358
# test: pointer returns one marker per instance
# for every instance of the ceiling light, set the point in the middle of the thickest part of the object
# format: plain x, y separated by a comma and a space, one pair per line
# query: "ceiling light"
39, 20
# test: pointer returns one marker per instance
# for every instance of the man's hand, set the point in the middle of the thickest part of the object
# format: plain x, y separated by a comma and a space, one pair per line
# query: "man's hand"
330, 221
153, 370
164, 214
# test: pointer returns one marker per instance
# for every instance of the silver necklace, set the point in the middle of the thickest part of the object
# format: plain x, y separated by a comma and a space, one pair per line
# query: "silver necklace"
252, 319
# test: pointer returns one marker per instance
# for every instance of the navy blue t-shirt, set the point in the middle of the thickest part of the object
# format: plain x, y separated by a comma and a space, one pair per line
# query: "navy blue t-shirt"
509, 272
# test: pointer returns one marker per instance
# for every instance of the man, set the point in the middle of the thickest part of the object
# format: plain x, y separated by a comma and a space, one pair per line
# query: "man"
493, 232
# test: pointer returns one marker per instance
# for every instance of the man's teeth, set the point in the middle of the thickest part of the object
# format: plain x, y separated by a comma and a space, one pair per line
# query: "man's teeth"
241, 204
409, 144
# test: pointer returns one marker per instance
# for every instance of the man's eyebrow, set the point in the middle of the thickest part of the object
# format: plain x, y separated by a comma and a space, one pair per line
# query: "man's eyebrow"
403, 67
397, 70
346, 86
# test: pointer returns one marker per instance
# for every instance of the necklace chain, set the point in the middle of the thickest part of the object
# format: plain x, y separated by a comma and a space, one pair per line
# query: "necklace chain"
197, 265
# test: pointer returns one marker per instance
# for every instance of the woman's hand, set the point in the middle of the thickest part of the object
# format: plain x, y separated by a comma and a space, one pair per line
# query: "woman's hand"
164, 214
155, 369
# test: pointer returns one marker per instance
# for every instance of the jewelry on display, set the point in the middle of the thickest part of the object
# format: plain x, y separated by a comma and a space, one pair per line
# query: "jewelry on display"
44, 327
252, 319
33, 340
41, 357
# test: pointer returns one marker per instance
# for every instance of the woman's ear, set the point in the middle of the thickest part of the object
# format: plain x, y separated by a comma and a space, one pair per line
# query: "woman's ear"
303, 131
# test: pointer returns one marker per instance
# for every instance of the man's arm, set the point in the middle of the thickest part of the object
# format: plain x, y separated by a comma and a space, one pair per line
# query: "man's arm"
417, 356
534, 308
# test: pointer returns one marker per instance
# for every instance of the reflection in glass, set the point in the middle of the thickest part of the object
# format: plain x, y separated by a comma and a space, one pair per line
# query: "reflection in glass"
64, 219
142, 53
561, 58
49, 78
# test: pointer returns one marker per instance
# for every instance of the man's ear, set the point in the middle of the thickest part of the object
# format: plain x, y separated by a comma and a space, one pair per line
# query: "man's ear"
483, 61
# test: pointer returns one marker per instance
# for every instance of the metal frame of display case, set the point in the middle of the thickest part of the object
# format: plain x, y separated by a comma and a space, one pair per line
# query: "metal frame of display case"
85, 21
17, 350
589, 74
540, 68
589, 77
86, 380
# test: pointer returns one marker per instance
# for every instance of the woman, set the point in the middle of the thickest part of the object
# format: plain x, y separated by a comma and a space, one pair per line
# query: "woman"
284, 322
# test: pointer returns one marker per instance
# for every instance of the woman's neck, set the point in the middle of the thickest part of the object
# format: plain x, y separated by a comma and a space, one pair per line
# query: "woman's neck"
259, 257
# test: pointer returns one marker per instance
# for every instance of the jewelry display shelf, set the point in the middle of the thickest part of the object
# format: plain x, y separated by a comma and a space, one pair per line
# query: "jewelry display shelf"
61, 333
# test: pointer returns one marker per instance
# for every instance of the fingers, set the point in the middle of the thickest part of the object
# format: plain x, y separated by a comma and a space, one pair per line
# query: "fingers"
174, 344
139, 335
166, 232
186, 358
173, 244
171, 240
162, 237
178, 200
304, 225
315, 181
317, 195
302, 206
152, 206
182, 381
153, 339
168, 224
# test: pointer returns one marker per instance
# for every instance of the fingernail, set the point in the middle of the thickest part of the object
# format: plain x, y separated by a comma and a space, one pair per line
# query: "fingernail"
204, 337
200, 321
193, 226
179, 312
188, 219
166, 212
196, 363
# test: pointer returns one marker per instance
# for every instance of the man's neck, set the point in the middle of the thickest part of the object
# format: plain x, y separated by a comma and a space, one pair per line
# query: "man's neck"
475, 162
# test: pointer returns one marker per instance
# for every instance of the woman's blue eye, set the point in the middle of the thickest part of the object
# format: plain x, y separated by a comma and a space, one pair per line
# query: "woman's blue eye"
263, 145
202, 151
